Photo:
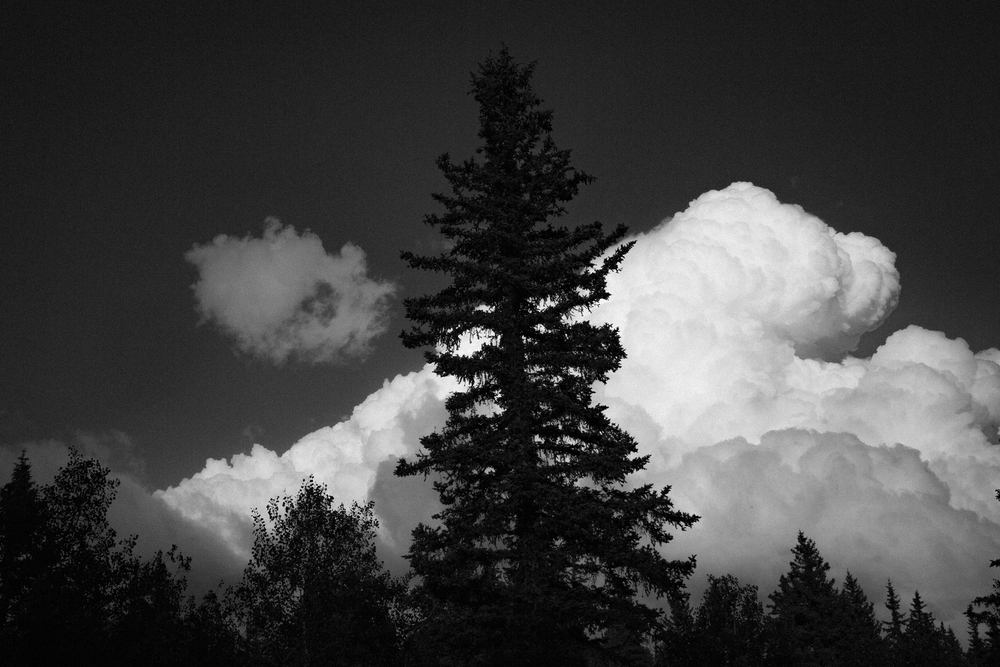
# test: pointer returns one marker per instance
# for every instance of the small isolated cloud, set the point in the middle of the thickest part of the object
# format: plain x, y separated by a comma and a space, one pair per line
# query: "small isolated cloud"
738, 316
282, 295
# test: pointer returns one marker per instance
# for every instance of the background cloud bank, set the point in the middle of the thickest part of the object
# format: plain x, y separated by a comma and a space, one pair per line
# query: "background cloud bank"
738, 316
282, 294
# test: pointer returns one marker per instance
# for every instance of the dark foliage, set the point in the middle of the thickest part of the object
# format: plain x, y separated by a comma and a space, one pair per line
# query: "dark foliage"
923, 643
66, 575
803, 608
23, 522
314, 592
897, 619
64, 579
814, 623
540, 548
860, 642
728, 628
986, 651
212, 638
811, 622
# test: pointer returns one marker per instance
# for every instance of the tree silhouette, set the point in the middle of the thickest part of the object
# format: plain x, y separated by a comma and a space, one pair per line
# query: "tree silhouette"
23, 521
65, 574
149, 610
859, 641
728, 629
314, 591
897, 620
540, 548
804, 606
73, 595
990, 616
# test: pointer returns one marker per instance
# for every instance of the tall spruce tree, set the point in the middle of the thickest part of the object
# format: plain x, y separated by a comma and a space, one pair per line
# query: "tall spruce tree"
804, 608
541, 547
896, 624
22, 540
860, 639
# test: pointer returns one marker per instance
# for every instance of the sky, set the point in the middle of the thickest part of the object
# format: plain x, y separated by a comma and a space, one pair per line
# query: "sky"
205, 208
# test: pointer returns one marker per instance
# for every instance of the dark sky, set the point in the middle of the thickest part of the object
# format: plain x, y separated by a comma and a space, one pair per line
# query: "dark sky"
130, 136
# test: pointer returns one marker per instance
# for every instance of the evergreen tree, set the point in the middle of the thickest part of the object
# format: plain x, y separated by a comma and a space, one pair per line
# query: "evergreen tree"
921, 624
804, 609
314, 592
540, 548
952, 654
860, 638
896, 624
925, 644
977, 649
22, 536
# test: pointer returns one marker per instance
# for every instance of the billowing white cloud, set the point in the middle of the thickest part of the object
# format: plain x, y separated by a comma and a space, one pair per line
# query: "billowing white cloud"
283, 294
728, 311
738, 316
346, 457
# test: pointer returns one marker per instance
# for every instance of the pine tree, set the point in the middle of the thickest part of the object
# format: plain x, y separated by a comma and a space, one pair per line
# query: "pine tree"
804, 608
896, 624
952, 654
921, 621
540, 547
977, 649
22, 537
860, 637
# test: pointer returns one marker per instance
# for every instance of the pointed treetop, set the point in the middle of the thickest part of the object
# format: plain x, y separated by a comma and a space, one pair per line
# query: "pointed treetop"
502, 88
808, 565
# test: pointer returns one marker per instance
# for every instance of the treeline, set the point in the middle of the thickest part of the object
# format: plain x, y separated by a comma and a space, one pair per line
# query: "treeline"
810, 621
73, 593
316, 593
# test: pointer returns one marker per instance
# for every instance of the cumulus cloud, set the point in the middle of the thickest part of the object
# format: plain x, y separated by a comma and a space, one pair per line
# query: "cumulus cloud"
283, 294
346, 457
738, 315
